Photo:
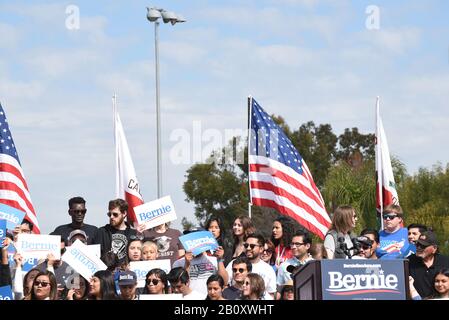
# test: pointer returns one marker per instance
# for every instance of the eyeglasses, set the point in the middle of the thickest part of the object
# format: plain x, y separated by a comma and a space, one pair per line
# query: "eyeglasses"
153, 281
38, 283
267, 251
240, 270
115, 214
82, 211
297, 244
389, 216
251, 245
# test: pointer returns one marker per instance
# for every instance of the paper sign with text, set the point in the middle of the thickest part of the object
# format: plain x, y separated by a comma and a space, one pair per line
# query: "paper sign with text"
6, 293
141, 268
13, 216
83, 260
198, 242
38, 245
155, 213
2, 232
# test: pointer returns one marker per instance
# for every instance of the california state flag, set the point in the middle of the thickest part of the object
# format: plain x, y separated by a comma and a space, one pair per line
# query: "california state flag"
127, 185
386, 188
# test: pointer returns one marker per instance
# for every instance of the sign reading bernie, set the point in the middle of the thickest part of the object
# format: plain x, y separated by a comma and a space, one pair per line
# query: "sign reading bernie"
141, 269
38, 246
13, 216
198, 242
83, 260
155, 213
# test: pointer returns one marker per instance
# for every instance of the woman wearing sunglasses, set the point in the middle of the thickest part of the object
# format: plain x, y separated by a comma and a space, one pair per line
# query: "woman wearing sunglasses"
156, 282
44, 287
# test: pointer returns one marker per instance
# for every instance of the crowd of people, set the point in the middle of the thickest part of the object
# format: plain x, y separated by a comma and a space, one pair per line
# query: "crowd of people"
246, 266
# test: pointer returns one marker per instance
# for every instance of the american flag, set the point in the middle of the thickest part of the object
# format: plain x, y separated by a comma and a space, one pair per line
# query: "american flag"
13, 187
279, 177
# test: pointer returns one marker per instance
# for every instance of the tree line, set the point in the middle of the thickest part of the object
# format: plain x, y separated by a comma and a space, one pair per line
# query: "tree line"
343, 168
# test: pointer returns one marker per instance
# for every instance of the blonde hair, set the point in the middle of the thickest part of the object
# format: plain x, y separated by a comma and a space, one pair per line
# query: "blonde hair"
394, 208
149, 243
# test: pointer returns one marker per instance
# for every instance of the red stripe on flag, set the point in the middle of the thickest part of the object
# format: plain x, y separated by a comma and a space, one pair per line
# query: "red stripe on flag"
133, 201
281, 192
5, 185
6, 167
288, 179
290, 213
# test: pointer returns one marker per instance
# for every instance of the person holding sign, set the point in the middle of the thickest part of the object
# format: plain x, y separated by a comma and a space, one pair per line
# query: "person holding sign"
167, 239
77, 211
116, 235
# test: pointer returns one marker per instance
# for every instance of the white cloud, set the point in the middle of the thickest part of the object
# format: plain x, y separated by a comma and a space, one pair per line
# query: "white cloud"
9, 36
396, 41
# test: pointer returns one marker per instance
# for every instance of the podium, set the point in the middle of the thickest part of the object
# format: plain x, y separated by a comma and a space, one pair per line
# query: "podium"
347, 279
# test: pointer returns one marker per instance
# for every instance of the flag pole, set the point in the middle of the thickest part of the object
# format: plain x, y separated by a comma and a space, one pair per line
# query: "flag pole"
250, 203
114, 118
379, 163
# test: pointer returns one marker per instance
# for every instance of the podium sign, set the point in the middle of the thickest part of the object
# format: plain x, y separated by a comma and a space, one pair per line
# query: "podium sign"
344, 279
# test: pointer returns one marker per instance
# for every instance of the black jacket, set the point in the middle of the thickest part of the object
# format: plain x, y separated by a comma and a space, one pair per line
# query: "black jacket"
104, 237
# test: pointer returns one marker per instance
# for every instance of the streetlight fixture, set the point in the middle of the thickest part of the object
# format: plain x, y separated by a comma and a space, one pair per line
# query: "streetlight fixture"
153, 15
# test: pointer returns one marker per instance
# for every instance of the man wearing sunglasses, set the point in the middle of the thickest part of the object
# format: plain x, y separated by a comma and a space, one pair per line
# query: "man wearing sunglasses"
241, 266
300, 245
77, 211
116, 235
394, 238
426, 263
254, 246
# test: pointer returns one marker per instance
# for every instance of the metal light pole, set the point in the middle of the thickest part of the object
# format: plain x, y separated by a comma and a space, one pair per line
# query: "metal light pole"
153, 14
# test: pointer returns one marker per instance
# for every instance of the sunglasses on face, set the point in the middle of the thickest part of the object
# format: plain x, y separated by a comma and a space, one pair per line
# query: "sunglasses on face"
240, 270
267, 251
251, 245
421, 246
83, 211
389, 216
153, 281
43, 284
115, 214
365, 247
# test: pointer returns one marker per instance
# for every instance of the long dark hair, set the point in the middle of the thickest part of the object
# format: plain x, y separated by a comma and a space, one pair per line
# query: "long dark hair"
53, 285
288, 229
107, 285
222, 236
435, 294
248, 228
161, 275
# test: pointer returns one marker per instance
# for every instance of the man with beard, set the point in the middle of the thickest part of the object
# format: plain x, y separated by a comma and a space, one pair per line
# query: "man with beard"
425, 264
77, 210
115, 235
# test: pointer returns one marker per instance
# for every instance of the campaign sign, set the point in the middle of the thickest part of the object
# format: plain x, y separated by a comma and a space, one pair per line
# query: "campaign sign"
198, 242
344, 279
82, 260
11, 215
141, 269
155, 213
38, 245
6, 293
2, 232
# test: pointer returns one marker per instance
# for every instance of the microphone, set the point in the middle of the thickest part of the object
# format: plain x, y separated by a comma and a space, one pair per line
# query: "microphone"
293, 269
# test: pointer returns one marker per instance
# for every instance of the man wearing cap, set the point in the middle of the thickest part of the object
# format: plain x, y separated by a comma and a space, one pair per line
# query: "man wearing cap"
77, 234
369, 241
77, 211
127, 281
426, 263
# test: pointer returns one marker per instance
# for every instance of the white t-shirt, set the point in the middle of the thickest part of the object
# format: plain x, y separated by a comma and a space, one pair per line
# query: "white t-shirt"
194, 295
264, 270
201, 268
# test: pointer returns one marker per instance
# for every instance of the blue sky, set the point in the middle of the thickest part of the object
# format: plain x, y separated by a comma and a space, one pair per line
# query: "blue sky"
302, 59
